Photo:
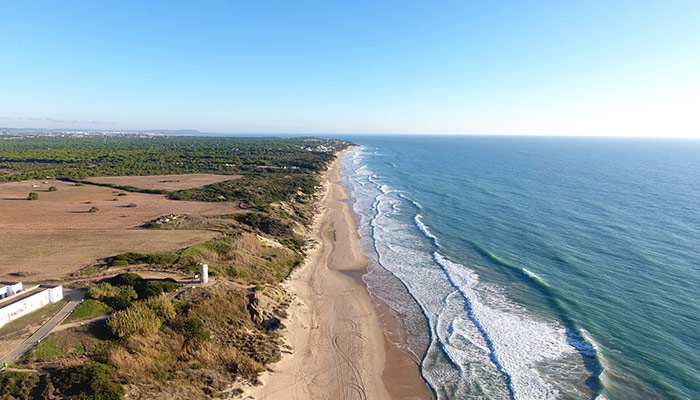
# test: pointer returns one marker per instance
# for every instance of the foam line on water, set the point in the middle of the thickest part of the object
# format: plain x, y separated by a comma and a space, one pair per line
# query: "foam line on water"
575, 336
472, 317
517, 341
474, 344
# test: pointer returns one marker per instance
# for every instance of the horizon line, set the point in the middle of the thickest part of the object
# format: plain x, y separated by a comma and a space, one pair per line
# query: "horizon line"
196, 132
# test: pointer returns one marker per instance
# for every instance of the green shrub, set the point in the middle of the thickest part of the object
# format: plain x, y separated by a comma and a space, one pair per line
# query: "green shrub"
155, 287
194, 329
125, 279
265, 224
101, 290
17, 385
293, 243
33, 196
89, 381
128, 258
138, 258
162, 259
138, 319
163, 308
117, 297
52, 188
93, 209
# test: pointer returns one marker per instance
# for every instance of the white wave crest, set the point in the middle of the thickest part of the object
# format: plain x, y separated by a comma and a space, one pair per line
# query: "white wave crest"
518, 340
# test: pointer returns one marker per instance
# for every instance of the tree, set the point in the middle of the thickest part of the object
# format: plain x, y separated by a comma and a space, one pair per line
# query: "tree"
52, 188
94, 209
33, 196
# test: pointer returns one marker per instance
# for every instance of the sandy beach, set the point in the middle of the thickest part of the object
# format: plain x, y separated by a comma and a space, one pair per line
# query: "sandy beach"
340, 350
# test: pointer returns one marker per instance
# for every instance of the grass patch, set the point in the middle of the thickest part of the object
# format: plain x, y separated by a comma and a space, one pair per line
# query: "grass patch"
90, 269
45, 349
131, 258
89, 309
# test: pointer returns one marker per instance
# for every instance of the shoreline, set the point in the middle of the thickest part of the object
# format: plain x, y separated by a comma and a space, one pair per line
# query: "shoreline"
334, 326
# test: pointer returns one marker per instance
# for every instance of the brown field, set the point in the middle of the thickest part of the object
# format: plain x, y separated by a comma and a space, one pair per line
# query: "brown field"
165, 182
56, 235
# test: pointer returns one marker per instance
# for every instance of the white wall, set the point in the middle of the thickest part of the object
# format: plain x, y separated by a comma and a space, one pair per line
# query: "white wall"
55, 294
31, 303
9, 290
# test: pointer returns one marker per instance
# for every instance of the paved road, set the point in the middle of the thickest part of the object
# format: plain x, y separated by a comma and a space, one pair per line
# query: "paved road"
76, 296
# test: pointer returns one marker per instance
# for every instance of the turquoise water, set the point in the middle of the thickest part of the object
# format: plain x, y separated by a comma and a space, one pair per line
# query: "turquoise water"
536, 268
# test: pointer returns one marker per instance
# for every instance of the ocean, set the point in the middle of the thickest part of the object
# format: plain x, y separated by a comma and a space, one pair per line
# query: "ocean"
535, 267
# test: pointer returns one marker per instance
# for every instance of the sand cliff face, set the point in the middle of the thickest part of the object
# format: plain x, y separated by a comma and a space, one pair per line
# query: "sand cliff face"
269, 306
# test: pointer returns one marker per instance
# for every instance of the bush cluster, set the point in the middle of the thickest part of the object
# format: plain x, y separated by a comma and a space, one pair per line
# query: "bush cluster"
88, 381
131, 258
117, 297
142, 318
139, 319
257, 190
17, 385
121, 290
194, 330
265, 223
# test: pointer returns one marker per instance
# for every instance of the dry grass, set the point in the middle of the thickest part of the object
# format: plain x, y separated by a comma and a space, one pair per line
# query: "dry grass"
165, 182
56, 235
245, 258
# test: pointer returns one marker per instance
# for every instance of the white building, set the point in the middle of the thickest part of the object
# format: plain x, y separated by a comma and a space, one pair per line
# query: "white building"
16, 302
9, 288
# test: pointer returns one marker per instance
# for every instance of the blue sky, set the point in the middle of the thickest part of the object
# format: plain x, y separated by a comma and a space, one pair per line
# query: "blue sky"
449, 67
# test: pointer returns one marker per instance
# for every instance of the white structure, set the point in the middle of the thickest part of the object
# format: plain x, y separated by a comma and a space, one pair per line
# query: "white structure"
22, 302
203, 273
9, 288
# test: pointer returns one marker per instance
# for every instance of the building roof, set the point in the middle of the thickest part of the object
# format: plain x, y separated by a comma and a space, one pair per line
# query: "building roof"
20, 296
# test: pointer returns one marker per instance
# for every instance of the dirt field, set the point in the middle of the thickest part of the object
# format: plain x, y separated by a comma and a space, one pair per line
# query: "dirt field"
166, 182
56, 235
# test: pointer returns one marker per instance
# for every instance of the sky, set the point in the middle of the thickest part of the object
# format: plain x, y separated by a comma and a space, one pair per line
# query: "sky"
620, 68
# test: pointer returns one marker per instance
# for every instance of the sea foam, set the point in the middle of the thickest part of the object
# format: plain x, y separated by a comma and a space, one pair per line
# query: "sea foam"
481, 343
